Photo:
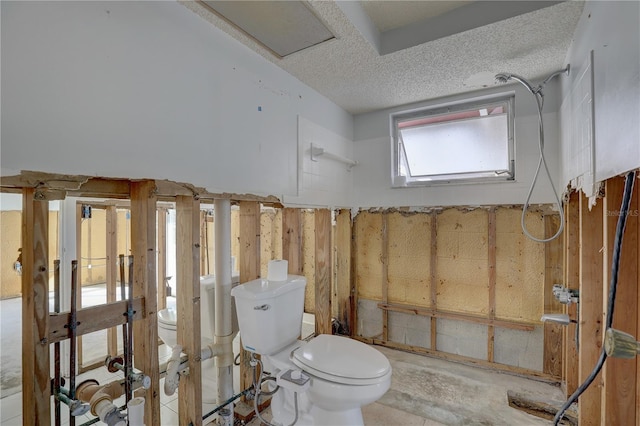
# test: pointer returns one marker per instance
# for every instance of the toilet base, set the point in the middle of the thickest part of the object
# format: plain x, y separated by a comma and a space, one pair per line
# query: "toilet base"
352, 417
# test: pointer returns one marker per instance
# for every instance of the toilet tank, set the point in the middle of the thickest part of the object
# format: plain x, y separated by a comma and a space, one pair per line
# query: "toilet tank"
208, 306
270, 313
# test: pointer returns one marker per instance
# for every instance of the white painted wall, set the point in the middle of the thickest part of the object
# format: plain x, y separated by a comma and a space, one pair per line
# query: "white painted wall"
149, 90
611, 29
372, 178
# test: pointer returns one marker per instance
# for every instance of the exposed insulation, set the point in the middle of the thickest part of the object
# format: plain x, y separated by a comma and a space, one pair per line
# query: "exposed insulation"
369, 255
519, 266
462, 274
309, 259
409, 269
235, 237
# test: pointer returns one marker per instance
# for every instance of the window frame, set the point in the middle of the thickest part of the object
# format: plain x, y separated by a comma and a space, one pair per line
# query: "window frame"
402, 181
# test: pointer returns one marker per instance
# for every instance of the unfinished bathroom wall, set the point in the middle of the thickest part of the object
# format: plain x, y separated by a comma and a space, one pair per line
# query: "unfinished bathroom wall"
270, 237
459, 282
309, 259
10, 229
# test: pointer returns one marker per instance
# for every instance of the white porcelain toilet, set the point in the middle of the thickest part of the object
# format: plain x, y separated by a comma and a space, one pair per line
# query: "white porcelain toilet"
167, 327
344, 374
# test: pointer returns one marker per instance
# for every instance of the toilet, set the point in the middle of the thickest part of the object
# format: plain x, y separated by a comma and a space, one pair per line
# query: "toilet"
343, 374
167, 326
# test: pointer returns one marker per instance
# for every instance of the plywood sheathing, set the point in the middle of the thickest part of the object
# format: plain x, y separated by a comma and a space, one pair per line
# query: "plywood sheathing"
463, 281
520, 266
409, 259
368, 228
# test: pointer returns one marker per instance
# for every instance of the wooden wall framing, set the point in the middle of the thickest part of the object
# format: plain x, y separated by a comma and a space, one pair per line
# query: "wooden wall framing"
613, 398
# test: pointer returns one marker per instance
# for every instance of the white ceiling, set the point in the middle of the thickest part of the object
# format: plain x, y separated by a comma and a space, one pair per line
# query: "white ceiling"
435, 48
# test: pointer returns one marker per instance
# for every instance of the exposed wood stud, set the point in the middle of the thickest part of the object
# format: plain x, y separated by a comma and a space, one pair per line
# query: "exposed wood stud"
353, 287
477, 319
433, 259
292, 239
162, 257
143, 249
591, 312
343, 265
491, 241
553, 274
385, 274
112, 271
620, 375
36, 387
188, 250
79, 288
249, 268
572, 281
322, 219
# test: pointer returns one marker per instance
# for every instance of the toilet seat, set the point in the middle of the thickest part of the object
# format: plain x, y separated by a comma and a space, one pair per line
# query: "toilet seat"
167, 319
342, 360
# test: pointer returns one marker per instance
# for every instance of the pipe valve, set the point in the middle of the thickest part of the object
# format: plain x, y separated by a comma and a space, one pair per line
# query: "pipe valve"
565, 295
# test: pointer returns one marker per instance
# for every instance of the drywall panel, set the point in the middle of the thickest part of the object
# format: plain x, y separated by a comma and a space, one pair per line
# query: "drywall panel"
368, 230
149, 90
611, 29
520, 266
372, 149
463, 271
409, 257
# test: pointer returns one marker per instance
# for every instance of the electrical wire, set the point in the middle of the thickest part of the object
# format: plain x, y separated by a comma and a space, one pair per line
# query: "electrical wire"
615, 265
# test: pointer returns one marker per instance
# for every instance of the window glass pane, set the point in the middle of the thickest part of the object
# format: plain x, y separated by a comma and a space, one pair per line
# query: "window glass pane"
454, 147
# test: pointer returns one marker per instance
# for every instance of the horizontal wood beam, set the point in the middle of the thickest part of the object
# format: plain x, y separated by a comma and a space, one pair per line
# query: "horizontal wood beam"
427, 312
461, 359
93, 319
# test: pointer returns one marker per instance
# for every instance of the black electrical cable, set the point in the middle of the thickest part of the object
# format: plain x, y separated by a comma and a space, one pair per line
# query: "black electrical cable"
615, 264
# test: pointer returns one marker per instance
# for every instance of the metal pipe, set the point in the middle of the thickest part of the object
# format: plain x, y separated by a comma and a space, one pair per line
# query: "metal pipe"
72, 340
223, 312
56, 346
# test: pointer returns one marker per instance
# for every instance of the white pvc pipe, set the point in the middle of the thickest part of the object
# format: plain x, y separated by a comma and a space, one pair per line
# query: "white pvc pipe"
135, 411
223, 319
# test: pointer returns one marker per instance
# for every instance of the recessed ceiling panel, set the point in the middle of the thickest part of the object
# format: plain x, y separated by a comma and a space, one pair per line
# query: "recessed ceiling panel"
284, 27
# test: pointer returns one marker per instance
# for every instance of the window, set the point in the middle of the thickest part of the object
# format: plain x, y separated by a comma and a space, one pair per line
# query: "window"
458, 143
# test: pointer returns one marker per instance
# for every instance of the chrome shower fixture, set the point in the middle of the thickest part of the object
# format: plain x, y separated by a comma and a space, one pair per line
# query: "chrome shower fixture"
503, 78
536, 91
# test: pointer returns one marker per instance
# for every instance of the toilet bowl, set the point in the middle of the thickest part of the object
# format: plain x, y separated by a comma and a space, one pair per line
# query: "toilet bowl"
167, 330
343, 374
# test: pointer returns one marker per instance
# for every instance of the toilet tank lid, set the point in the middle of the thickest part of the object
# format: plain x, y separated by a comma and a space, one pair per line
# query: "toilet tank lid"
264, 289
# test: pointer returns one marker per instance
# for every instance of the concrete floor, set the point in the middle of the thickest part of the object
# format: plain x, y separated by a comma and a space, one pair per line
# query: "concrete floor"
424, 391
432, 392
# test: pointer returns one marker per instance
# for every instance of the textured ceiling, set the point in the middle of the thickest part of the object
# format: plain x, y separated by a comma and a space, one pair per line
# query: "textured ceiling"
351, 72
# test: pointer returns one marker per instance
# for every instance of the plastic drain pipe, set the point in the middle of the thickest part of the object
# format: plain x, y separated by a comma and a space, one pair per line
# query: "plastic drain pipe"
223, 315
